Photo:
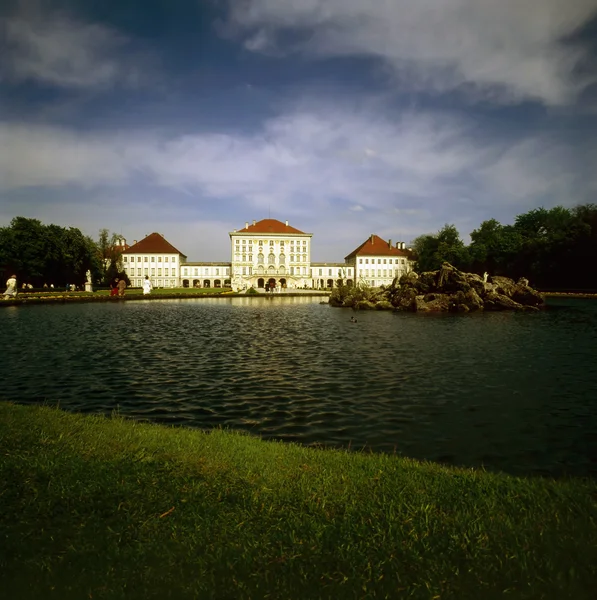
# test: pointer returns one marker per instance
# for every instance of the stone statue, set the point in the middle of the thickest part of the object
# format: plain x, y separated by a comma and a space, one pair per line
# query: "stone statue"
88, 274
485, 276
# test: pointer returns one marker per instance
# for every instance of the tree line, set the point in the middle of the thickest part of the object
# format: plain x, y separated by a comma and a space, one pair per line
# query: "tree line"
41, 254
553, 248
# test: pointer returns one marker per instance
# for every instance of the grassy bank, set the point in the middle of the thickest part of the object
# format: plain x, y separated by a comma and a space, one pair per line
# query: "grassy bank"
106, 508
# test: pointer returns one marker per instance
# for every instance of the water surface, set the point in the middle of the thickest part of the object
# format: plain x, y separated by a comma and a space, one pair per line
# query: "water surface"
510, 391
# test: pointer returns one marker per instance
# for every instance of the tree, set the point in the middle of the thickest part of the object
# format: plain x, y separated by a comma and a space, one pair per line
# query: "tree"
40, 254
109, 253
446, 245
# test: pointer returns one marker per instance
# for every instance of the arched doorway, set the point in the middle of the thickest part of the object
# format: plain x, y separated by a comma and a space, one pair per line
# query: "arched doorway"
339, 283
330, 283
185, 283
206, 283
349, 282
217, 283
271, 284
196, 283
260, 282
283, 282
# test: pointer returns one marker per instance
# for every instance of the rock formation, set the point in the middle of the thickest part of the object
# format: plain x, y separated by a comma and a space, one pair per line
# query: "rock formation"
445, 290
449, 289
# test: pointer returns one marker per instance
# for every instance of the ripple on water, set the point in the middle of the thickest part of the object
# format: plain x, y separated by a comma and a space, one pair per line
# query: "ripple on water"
507, 391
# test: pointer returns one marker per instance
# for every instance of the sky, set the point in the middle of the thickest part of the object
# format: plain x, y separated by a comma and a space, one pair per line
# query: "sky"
344, 117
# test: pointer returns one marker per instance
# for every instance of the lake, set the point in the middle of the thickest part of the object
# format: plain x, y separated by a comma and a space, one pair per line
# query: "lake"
515, 392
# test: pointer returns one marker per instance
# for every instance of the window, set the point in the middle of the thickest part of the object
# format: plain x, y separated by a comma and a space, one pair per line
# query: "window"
196, 272
260, 259
165, 259
320, 272
173, 259
138, 272
153, 259
159, 259
244, 242
282, 244
250, 258
379, 272
206, 271
153, 272
366, 261
379, 261
228, 270
282, 259
261, 242
292, 257
217, 271
138, 259
166, 272
160, 272
124, 259
384, 261
244, 270
145, 271
145, 259
271, 258
304, 242
271, 242
244, 257
304, 258
360, 261
329, 272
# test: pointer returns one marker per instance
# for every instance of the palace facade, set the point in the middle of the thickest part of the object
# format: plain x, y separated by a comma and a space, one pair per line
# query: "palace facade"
266, 254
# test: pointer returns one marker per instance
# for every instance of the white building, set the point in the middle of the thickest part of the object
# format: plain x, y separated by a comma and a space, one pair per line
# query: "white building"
376, 262
270, 253
205, 274
266, 254
155, 257
328, 275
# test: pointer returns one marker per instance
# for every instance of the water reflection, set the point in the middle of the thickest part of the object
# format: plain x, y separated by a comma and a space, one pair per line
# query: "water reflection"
509, 391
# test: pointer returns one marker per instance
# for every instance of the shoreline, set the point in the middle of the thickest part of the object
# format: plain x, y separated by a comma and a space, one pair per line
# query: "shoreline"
36, 300
111, 508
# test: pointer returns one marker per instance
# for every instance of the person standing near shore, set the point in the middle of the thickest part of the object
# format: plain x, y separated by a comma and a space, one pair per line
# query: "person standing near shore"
147, 286
11, 287
121, 287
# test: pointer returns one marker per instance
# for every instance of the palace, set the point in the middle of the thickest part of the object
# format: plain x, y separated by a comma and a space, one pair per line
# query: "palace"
266, 254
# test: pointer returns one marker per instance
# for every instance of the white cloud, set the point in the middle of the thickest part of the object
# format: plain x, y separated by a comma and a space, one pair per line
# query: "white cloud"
57, 49
330, 168
501, 50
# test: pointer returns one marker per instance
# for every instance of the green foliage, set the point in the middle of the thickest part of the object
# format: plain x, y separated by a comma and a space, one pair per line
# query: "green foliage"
40, 254
551, 247
109, 258
434, 249
113, 509
352, 295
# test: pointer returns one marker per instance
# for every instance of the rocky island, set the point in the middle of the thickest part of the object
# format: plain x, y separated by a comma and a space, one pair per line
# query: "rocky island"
444, 290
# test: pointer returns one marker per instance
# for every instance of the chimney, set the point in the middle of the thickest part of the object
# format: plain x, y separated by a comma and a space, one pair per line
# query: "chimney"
286, 223
389, 243
134, 242
234, 231
246, 224
403, 245
254, 221
371, 238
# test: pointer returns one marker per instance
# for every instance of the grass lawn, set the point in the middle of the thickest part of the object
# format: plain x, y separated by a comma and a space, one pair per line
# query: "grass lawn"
97, 507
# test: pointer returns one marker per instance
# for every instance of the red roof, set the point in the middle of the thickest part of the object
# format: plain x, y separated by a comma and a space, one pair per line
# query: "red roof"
270, 226
154, 243
375, 246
